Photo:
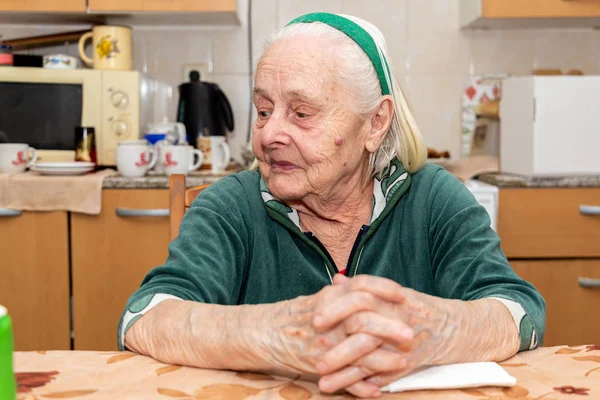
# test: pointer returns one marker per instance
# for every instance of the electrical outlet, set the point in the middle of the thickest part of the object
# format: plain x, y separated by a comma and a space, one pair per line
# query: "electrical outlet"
204, 68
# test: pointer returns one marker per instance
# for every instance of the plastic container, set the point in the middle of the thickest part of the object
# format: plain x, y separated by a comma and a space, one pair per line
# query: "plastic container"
8, 387
6, 55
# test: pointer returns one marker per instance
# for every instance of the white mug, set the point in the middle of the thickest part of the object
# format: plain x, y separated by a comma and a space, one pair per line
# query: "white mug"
216, 151
13, 157
179, 159
135, 158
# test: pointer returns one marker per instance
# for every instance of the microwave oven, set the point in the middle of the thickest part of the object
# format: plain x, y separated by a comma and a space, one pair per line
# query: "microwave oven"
42, 107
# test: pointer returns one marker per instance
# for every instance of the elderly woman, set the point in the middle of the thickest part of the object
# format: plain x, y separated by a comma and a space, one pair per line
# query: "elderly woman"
344, 255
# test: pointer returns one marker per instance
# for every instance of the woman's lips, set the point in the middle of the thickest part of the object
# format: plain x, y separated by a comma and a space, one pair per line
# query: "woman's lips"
283, 165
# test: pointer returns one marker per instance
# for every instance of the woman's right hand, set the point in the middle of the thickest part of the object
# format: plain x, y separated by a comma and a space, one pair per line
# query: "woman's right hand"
299, 346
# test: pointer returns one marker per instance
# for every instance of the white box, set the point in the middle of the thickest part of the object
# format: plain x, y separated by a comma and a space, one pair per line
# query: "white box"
550, 125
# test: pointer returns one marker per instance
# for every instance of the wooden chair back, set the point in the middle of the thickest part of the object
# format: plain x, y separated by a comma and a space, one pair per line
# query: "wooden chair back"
180, 199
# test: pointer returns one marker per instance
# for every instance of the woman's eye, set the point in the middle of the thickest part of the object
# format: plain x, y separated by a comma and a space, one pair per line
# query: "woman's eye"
301, 115
264, 114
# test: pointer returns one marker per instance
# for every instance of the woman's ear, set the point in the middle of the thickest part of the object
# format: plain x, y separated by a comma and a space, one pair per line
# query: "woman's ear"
380, 124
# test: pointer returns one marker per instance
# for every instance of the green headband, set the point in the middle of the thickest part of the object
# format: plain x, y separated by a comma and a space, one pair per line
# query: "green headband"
359, 35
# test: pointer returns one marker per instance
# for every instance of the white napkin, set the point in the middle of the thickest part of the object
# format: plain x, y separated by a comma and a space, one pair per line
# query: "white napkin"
454, 376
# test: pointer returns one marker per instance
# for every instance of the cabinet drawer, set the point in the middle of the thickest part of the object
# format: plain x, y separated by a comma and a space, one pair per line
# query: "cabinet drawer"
111, 254
571, 289
540, 8
549, 223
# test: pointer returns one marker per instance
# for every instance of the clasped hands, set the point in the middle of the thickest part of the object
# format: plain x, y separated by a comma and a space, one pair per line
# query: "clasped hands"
362, 333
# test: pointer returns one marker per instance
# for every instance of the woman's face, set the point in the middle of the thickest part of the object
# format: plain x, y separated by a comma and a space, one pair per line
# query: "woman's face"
306, 138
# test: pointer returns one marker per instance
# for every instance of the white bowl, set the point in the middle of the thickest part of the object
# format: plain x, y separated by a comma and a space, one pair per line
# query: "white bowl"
60, 61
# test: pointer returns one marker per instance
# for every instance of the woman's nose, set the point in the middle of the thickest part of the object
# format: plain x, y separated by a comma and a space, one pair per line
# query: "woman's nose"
275, 130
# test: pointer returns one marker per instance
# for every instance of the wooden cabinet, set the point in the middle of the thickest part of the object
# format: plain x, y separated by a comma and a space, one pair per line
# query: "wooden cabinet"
111, 254
552, 239
549, 223
163, 6
34, 278
121, 12
572, 292
530, 13
43, 5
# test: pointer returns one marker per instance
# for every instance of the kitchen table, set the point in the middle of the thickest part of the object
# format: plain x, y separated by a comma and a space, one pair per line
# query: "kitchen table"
548, 373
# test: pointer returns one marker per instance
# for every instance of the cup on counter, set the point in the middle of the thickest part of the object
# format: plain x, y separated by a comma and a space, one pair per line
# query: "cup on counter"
179, 159
16, 157
135, 158
216, 151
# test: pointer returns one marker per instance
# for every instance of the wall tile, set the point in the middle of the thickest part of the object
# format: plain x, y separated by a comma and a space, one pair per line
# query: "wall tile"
509, 51
394, 26
435, 46
567, 50
290, 9
237, 90
231, 46
433, 15
167, 51
436, 53
435, 102
264, 23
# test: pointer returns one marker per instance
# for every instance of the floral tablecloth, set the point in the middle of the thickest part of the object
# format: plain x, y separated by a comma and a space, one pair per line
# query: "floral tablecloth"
546, 373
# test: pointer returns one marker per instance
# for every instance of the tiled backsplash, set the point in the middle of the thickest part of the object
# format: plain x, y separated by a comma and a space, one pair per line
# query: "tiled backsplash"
428, 52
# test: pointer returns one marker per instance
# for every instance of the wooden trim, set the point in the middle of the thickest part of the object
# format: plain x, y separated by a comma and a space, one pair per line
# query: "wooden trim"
498, 9
163, 6
176, 203
43, 5
45, 40
192, 193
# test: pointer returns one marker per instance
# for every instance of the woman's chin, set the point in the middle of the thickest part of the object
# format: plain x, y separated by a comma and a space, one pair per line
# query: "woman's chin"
285, 188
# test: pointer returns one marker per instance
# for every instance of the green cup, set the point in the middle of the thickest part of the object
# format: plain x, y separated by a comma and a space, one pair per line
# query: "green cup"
7, 377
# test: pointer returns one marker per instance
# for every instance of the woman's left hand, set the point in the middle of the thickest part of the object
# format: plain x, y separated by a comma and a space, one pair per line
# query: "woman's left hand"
343, 366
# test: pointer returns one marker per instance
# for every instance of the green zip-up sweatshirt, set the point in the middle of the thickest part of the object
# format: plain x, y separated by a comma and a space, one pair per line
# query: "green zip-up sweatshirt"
239, 245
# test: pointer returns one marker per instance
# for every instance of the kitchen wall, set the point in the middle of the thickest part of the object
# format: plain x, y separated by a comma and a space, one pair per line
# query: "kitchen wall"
429, 53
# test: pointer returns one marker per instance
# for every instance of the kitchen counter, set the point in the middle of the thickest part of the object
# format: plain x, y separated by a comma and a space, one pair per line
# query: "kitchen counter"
155, 181
517, 181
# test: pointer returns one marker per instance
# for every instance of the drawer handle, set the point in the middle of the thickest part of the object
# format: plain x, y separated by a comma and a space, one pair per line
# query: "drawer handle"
589, 283
9, 212
132, 212
589, 210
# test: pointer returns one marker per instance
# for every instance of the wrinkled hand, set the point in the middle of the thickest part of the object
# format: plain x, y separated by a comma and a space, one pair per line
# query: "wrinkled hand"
361, 370
340, 326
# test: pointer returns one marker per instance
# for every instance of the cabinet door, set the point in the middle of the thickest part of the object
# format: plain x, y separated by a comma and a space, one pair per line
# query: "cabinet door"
34, 278
163, 6
111, 254
493, 9
572, 292
43, 5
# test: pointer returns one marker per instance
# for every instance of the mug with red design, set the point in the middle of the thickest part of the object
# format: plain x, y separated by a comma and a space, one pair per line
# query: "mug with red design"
15, 157
135, 158
179, 159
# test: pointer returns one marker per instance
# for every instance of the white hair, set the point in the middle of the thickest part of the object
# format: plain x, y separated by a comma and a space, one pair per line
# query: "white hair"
358, 75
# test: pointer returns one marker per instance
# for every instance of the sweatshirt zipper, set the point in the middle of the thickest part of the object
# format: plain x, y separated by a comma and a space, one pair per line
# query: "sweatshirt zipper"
355, 248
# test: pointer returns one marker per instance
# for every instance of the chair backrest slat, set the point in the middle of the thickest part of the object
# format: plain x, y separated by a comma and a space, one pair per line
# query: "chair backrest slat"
180, 199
